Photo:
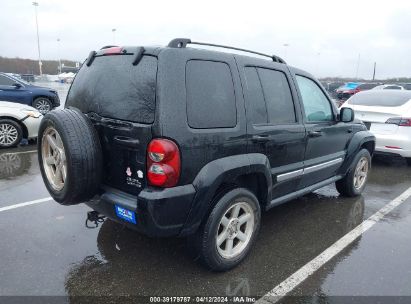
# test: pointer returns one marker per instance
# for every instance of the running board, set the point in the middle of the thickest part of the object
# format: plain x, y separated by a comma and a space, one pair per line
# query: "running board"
291, 196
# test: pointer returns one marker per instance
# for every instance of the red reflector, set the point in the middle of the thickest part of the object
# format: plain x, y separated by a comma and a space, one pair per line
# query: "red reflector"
392, 147
113, 50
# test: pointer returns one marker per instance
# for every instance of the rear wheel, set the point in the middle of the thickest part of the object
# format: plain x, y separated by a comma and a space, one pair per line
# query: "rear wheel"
69, 156
43, 105
408, 161
354, 182
227, 236
11, 133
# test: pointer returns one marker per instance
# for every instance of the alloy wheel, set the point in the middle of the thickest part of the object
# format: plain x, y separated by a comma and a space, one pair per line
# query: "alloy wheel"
235, 230
54, 158
43, 106
361, 172
8, 134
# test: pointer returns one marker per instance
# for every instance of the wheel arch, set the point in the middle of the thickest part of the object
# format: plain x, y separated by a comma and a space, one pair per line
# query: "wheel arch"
251, 171
41, 96
22, 125
360, 140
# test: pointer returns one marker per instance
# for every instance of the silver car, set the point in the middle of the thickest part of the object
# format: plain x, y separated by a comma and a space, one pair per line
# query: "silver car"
17, 121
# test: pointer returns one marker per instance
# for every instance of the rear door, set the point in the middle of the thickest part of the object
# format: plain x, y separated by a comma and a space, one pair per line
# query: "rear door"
326, 138
120, 99
274, 126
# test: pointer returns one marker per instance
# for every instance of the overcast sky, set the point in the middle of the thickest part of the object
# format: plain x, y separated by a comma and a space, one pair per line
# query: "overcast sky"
323, 37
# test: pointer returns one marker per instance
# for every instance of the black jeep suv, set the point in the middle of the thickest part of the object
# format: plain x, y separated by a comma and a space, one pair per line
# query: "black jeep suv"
179, 141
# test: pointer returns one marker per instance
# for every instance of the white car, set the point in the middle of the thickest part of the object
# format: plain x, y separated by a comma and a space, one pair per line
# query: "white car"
17, 121
388, 87
387, 114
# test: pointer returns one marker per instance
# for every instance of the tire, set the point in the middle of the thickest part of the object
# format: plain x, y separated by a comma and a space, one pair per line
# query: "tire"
43, 105
348, 185
11, 133
70, 156
216, 257
408, 159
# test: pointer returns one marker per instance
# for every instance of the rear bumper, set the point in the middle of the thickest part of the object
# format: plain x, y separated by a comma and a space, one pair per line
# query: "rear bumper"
386, 144
159, 212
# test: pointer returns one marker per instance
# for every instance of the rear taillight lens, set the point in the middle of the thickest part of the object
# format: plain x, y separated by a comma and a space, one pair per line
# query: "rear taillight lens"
399, 121
163, 163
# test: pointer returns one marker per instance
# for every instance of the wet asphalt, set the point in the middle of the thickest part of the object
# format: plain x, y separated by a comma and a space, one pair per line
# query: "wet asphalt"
46, 250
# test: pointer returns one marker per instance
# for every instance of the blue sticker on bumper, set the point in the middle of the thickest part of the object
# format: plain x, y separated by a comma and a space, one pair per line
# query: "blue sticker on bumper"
125, 214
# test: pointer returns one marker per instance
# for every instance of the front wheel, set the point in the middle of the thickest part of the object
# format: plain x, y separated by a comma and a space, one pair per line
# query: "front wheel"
43, 105
11, 133
354, 182
230, 230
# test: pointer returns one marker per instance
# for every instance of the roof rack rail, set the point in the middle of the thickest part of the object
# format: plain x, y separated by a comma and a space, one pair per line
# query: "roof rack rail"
182, 43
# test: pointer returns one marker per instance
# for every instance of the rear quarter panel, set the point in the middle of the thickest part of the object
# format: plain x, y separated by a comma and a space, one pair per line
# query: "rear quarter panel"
198, 147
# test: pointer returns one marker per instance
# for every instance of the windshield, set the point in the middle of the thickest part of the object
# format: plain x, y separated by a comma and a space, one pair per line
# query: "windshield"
380, 99
113, 87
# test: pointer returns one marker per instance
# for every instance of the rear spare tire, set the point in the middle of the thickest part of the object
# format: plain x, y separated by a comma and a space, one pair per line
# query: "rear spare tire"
70, 156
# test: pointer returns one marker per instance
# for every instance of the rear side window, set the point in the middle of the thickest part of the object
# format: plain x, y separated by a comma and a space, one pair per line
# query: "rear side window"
277, 94
268, 97
6, 81
113, 87
210, 95
387, 99
254, 96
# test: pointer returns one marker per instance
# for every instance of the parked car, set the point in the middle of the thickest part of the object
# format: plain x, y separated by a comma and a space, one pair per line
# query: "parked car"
17, 121
389, 87
347, 90
348, 93
365, 87
17, 90
406, 86
387, 114
177, 141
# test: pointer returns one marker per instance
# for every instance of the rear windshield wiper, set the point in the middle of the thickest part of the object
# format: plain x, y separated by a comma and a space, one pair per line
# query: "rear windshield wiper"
107, 50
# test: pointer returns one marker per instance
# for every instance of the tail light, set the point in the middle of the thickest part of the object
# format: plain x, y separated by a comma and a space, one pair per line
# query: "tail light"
163, 163
399, 121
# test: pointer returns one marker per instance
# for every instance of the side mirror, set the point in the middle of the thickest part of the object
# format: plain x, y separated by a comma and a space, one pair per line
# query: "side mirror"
17, 85
347, 115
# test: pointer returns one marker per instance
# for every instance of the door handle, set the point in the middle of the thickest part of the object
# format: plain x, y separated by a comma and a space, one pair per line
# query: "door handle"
315, 133
260, 138
126, 141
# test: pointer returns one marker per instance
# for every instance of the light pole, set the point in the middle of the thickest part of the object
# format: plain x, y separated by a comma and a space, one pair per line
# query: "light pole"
35, 4
59, 50
358, 66
285, 45
114, 35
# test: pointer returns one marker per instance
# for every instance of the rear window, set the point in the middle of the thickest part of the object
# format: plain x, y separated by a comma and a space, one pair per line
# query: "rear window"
210, 95
367, 86
112, 87
380, 100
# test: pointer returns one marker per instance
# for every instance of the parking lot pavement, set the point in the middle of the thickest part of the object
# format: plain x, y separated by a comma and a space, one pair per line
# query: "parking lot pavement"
46, 249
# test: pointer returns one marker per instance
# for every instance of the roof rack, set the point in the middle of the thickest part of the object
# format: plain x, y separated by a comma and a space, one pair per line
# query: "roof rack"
182, 43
